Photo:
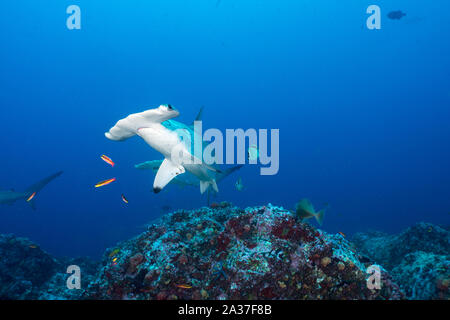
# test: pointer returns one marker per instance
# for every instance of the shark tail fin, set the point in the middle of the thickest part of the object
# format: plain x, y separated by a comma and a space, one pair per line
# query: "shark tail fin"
31, 191
38, 186
319, 216
222, 175
204, 185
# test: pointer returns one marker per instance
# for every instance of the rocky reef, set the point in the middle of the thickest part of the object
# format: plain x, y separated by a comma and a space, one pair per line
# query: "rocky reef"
224, 252
29, 273
417, 258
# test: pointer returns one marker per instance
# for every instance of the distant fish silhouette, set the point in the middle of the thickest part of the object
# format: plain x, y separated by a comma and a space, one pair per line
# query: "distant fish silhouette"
396, 15
305, 210
239, 185
10, 196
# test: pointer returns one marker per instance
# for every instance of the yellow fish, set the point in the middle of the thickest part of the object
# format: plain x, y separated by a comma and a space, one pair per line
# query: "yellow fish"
107, 160
105, 182
184, 286
31, 197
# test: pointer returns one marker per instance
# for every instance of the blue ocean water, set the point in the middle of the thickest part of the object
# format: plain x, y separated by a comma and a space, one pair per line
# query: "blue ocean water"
363, 114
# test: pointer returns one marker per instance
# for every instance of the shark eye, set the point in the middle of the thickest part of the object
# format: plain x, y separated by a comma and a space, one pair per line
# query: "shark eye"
169, 107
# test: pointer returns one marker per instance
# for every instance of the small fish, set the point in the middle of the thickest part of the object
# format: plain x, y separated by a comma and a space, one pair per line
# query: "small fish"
166, 208
31, 197
184, 286
114, 252
239, 185
124, 199
305, 210
430, 229
114, 260
342, 234
253, 153
396, 15
105, 182
107, 160
33, 246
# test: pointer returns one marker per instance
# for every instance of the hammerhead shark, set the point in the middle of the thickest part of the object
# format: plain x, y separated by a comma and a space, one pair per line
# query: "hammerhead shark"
186, 179
157, 129
10, 196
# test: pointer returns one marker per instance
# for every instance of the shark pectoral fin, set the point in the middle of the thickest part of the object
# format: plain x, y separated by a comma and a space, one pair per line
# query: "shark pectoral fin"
167, 171
214, 186
204, 185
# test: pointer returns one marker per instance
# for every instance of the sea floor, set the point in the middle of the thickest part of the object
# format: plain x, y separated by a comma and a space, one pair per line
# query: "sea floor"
225, 252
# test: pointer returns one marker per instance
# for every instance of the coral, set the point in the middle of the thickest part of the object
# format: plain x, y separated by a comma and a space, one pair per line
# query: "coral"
228, 253
424, 276
24, 268
389, 250
28, 272
417, 258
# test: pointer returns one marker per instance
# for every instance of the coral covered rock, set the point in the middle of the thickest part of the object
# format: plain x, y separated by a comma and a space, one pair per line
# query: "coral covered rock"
418, 258
424, 275
24, 268
28, 272
228, 253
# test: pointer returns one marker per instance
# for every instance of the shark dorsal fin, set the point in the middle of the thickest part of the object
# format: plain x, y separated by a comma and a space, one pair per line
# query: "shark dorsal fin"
199, 115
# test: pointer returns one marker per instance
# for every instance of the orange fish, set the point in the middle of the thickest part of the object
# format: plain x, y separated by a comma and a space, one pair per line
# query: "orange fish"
33, 246
342, 234
107, 160
184, 286
31, 197
124, 199
105, 182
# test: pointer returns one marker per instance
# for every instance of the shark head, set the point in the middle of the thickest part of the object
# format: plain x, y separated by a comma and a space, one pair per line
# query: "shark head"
129, 126
165, 112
